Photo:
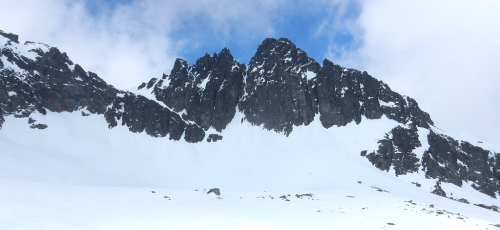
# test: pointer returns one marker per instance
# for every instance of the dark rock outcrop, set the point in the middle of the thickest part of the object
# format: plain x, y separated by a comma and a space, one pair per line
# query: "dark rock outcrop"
382, 158
455, 161
446, 159
396, 150
285, 88
51, 81
214, 138
438, 190
339, 92
208, 91
215, 191
48, 83
142, 115
278, 93
12, 37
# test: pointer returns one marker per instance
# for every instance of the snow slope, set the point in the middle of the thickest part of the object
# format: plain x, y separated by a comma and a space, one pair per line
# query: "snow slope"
78, 174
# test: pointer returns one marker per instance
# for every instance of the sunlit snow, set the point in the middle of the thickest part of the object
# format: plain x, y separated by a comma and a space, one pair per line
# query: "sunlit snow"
310, 75
78, 174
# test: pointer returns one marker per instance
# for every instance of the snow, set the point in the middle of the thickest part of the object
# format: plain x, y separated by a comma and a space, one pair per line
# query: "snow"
53, 179
147, 93
343, 90
9, 65
3, 40
22, 50
138, 208
388, 104
27, 49
254, 69
235, 66
310, 75
203, 83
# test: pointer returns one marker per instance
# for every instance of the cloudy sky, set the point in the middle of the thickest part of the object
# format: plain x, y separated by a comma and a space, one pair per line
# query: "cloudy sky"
445, 54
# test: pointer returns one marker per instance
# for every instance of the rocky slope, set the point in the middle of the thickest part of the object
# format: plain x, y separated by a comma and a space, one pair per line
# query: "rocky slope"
37, 77
281, 88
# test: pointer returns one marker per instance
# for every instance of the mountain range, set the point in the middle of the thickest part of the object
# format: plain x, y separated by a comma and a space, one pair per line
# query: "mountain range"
283, 117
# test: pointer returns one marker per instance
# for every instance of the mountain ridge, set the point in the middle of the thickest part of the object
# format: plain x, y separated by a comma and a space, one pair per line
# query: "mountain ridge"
281, 88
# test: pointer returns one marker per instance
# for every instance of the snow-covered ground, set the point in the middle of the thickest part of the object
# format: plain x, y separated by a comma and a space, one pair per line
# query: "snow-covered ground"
78, 174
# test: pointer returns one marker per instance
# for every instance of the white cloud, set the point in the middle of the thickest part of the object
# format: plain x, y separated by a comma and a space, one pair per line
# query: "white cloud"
445, 54
339, 21
134, 42
119, 47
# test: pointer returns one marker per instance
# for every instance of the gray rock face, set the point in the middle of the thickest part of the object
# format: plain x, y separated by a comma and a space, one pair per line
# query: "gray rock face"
48, 83
278, 93
346, 94
284, 88
448, 160
397, 151
338, 90
12, 37
214, 138
53, 82
456, 162
208, 91
215, 191
140, 114
281, 87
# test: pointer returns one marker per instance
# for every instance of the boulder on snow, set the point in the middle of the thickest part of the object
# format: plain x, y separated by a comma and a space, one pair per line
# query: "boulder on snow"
216, 191
214, 138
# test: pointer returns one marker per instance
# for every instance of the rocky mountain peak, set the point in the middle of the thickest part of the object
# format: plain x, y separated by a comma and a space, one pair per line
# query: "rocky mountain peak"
11, 37
281, 88
278, 87
281, 51
207, 92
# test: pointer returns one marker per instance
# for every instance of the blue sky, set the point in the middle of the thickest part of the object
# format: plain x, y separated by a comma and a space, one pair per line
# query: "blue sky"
300, 22
445, 53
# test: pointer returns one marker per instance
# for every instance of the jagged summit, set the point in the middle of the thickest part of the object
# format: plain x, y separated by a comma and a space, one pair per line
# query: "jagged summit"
280, 89
278, 93
280, 50
10, 36
208, 91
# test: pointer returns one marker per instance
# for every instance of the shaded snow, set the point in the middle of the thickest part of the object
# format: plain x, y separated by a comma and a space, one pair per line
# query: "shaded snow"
147, 93
388, 104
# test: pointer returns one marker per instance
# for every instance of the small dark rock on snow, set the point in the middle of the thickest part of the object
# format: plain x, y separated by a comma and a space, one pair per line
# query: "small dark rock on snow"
216, 191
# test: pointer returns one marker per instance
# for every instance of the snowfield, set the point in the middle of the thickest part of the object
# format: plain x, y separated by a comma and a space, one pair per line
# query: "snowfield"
78, 174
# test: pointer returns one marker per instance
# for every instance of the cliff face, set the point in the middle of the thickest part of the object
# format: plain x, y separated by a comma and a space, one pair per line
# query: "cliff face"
36, 77
208, 91
281, 88
278, 93
43, 79
456, 162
